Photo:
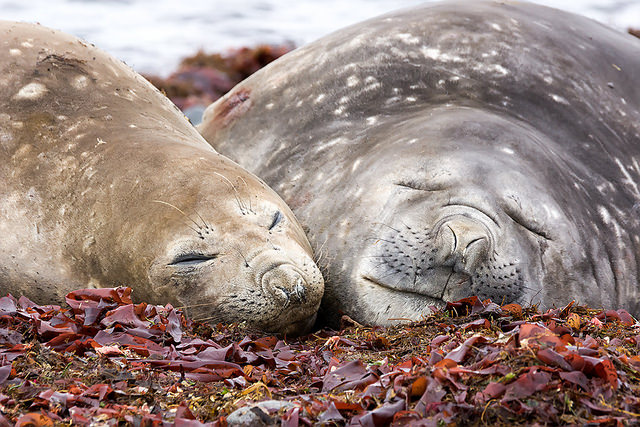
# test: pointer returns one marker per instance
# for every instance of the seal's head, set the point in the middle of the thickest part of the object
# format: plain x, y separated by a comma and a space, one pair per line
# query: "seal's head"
227, 249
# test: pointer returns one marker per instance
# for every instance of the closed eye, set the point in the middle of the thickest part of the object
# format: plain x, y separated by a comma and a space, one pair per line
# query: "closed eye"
191, 259
527, 225
277, 217
415, 185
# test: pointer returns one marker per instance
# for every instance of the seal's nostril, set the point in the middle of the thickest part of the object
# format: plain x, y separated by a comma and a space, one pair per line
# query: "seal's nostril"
300, 292
285, 295
464, 243
474, 253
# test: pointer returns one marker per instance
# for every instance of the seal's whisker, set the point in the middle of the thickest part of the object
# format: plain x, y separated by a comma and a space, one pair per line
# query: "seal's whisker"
272, 245
387, 225
319, 253
184, 214
246, 263
378, 239
531, 289
415, 271
317, 256
206, 226
247, 185
233, 187
204, 319
204, 304
385, 276
198, 232
378, 256
534, 296
223, 298
444, 289
406, 226
379, 264
398, 282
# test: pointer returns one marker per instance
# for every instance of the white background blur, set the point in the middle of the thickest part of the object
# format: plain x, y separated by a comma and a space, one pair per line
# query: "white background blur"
153, 35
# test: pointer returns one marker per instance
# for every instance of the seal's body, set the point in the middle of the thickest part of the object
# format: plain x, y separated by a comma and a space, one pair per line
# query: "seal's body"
466, 148
105, 183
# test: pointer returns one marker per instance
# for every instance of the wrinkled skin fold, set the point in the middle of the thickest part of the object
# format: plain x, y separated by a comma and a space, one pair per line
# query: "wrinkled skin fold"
455, 149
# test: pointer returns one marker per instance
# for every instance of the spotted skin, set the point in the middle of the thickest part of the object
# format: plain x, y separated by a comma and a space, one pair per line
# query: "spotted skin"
454, 149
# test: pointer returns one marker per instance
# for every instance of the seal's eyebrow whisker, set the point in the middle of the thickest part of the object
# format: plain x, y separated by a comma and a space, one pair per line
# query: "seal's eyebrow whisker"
206, 226
242, 206
184, 214
247, 185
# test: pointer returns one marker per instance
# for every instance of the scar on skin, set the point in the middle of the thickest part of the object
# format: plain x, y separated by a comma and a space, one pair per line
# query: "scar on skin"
31, 91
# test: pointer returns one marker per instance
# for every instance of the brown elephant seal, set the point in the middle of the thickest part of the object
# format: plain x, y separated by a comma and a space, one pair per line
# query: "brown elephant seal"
455, 149
106, 183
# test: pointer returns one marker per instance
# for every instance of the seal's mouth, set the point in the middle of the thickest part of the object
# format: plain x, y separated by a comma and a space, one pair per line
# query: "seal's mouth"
394, 305
438, 300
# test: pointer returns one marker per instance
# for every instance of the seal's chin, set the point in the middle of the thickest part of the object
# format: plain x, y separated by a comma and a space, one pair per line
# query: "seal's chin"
289, 328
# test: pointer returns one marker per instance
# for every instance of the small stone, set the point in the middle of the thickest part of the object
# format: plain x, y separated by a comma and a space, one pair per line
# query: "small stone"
258, 415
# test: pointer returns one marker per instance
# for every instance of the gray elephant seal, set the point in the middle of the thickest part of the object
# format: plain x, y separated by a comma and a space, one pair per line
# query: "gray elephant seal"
465, 148
106, 183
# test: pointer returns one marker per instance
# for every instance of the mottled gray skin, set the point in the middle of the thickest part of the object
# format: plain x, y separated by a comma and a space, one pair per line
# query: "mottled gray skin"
105, 183
456, 149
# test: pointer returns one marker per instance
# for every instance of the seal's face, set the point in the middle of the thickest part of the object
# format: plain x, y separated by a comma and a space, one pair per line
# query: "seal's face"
239, 256
474, 216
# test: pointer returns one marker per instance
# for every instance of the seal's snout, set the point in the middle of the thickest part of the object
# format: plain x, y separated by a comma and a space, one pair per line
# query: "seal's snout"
463, 244
286, 284
290, 287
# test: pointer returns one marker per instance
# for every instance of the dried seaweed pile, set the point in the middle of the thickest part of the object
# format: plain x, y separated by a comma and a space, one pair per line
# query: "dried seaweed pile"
104, 359
202, 78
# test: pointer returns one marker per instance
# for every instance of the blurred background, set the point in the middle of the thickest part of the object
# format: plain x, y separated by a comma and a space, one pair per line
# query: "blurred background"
197, 50
153, 36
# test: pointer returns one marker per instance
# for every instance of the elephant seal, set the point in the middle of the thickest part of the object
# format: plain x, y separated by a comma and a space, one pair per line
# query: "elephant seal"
455, 149
105, 183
